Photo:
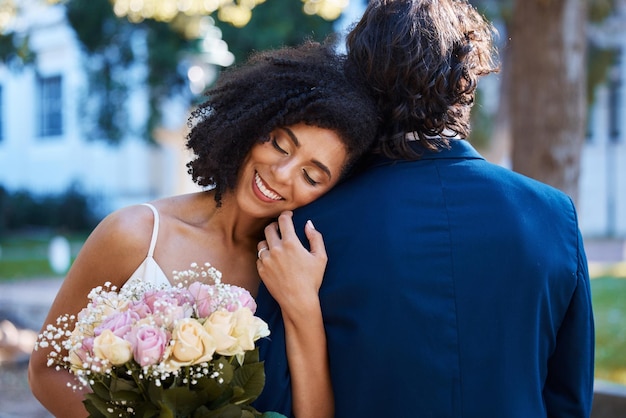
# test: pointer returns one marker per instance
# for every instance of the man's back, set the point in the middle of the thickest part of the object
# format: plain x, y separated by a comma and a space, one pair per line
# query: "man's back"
454, 288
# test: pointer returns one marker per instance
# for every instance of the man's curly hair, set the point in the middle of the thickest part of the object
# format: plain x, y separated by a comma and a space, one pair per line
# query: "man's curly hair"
283, 87
421, 60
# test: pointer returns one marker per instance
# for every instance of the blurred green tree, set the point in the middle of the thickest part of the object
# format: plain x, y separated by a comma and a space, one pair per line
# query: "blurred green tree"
274, 23
110, 44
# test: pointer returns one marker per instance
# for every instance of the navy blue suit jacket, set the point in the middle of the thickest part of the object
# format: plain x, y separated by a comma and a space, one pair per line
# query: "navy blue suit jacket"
454, 288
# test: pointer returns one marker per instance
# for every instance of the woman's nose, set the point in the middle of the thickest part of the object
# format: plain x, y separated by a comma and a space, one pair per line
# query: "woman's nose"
284, 171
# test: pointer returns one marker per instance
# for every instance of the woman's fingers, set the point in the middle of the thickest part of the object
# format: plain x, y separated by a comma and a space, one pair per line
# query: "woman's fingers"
272, 234
285, 225
281, 235
316, 241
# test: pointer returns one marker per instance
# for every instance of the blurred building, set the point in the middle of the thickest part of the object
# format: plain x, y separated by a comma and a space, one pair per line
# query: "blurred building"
602, 204
45, 148
44, 133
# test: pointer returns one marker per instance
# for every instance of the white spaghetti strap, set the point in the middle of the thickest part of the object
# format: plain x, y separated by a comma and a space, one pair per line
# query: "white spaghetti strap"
155, 229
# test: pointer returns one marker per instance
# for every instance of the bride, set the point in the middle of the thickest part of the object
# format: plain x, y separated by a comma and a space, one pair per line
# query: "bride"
273, 135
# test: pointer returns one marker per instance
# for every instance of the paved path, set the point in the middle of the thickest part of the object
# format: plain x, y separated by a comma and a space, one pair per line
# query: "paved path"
24, 303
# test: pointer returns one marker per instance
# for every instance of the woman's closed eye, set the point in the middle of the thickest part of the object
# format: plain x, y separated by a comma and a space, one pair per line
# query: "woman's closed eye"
277, 146
309, 179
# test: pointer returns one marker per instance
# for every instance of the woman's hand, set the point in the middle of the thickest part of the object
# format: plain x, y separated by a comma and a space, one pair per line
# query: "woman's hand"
291, 273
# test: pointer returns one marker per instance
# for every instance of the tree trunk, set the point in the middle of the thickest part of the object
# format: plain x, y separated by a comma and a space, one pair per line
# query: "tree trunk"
547, 96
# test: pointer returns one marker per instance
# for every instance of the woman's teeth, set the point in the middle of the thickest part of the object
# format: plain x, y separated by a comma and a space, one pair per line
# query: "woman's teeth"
266, 192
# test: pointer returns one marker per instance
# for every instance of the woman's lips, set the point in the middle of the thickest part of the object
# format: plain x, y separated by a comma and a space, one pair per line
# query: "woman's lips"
265, 192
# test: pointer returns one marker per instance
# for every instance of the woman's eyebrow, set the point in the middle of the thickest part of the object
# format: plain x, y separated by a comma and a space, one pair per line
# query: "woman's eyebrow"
293, 137
295, 141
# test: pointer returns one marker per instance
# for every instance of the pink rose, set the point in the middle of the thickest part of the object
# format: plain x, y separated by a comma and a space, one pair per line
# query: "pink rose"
156, 300
88, 344
149, 343
183, 296
168, 307
119, 323
203, 299
141, 308
241, 298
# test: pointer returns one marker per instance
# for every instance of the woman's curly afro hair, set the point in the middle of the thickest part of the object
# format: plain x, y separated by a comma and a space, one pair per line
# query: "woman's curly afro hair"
283, 87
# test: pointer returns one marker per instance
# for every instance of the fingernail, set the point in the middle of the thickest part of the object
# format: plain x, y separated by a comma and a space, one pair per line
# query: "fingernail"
310, 224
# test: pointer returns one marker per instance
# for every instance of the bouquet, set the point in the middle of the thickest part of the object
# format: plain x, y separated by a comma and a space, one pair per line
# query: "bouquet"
186, 350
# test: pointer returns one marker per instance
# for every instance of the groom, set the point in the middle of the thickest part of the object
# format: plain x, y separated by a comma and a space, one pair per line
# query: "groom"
454, 287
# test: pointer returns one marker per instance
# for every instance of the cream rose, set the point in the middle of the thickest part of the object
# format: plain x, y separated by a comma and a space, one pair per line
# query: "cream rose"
192, 343
220, 325
248, 328
109, 346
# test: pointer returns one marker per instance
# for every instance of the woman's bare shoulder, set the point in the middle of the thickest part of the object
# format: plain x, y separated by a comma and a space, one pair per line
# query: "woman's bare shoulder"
111, 253
129, 227
118, 245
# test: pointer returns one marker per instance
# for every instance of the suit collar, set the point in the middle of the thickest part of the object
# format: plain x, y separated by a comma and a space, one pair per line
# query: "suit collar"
459, 149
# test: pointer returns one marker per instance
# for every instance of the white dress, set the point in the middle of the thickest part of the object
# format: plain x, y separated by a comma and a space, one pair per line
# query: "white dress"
149, 270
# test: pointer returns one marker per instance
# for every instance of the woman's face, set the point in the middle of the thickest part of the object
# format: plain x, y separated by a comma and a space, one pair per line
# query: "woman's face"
297, 165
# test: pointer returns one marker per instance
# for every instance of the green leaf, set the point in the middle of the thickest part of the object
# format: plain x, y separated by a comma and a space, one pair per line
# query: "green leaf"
169, 413
251, 378
126, 395
252, 356
226, 369
210, 389
227, 411
146, 410
122, 388
238, 392
182, 400
99, 408
223, 399
94, 405
101, 390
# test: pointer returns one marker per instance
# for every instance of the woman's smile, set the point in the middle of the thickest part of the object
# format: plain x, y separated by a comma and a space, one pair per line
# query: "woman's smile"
263, 191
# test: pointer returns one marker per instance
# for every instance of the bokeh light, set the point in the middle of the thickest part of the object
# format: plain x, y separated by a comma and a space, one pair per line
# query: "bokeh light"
7, 13
236, 12
327, 9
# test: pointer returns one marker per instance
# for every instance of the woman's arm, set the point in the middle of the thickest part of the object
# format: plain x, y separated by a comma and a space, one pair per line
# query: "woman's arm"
111, 253
293, 275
